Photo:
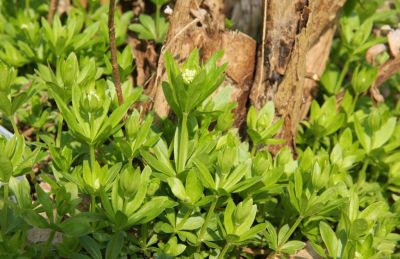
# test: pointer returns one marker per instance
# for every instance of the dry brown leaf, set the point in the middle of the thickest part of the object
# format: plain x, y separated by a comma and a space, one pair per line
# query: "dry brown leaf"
387, 70
373, 51
394, 42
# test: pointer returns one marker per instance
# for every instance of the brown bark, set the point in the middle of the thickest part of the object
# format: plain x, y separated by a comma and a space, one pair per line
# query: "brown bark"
200, 24
145, 60
52, 9
387, 70
293, 31
113, 48
296, 36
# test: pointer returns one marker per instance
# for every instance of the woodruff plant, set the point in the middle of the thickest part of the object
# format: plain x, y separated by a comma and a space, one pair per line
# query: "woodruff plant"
115, 183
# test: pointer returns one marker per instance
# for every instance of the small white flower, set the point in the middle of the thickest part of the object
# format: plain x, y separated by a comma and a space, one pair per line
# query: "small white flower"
188, 75
93, 94
168, 10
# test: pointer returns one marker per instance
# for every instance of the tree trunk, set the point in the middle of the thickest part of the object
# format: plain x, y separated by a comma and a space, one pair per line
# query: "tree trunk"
200, 24
295, 39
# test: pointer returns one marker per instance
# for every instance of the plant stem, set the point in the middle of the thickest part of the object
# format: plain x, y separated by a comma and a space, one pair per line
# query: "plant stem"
14, 125
59, 130
315, 144
343, 73
253, 149
185, 218
362, 175
92, 203
4, 220
291, 230
355, 100
183, 143
113, 48
92, 156
224, 250
205, 224
46, 247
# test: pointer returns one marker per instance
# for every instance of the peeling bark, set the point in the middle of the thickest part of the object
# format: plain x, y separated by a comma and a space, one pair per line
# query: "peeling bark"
387, 70
293, 32
200, 24
296, 37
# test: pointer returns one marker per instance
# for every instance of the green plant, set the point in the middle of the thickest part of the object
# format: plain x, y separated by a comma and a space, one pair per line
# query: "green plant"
151, 28
115, 182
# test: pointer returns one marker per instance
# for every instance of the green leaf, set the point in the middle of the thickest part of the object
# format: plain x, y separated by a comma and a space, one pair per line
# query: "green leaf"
45, 201
298, 184
292, 247
228, 217
6, 168
282, 233
170, 97
193, 186
271, 236
141, 193
150, 210
358, 228
67, 114
192, 223
252, 232
5, 104
329, 238
205, 174
34, 219
76, 226
117, 115
237, 174
115, 245
22, 191
91, 246
384, 133
374, 211
362, 136
177, 188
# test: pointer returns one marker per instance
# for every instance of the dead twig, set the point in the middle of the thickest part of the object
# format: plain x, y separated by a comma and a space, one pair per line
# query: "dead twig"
113, 48
387, 70
52, 9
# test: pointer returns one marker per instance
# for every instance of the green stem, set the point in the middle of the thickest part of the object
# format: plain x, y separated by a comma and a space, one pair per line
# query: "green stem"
92, 203
14, 125
343, 74
4, 222
291, 230
362, 176
355, 100
185, 218
315, 144
253, 150
46, 247
183, 140
224, 250
59, 130
207, 220
92, 155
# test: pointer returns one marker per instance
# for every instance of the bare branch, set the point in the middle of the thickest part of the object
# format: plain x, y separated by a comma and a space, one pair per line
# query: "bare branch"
52, 9
113, 47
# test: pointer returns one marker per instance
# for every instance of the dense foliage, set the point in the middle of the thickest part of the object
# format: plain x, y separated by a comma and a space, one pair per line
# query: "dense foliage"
119, 184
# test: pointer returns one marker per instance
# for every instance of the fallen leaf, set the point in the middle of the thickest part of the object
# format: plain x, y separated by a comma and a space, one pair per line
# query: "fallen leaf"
373, 51
394, 42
